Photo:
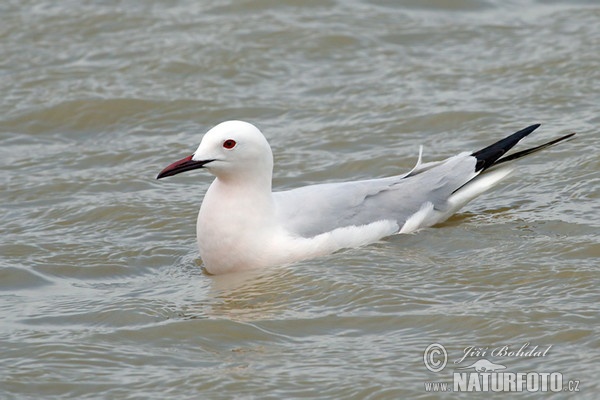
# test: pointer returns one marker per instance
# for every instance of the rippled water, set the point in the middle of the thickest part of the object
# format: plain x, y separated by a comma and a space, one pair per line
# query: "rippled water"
102, 291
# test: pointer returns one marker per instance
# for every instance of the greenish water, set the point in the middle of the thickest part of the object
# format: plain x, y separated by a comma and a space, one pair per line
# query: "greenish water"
102, 291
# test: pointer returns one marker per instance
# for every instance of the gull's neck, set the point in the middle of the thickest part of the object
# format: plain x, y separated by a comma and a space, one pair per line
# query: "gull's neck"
235, 223
244, 182
238, 202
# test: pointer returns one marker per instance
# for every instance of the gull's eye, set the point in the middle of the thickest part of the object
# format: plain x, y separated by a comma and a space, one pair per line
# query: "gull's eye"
229, 144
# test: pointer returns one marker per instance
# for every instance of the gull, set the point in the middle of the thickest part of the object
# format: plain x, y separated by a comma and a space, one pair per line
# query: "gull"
243, 224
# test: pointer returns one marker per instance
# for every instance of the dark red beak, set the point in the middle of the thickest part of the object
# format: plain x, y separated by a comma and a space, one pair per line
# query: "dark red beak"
185, 164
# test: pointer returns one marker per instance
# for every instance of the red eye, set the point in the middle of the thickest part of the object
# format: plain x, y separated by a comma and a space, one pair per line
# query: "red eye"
229, 144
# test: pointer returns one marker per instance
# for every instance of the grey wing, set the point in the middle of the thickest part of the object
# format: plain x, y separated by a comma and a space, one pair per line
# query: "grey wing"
312, 210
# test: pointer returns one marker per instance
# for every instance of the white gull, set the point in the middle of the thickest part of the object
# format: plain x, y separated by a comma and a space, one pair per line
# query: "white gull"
243, 225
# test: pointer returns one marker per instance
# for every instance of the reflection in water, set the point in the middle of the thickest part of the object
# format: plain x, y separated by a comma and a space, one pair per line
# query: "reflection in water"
249, 295
98, 300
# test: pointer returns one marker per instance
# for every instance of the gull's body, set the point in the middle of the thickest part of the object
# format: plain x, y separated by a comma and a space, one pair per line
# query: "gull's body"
242, 224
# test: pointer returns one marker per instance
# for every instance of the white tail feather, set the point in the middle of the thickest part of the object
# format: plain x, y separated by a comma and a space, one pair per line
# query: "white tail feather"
474, 188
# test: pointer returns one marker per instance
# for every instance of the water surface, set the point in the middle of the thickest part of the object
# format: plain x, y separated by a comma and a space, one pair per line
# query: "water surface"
102, 291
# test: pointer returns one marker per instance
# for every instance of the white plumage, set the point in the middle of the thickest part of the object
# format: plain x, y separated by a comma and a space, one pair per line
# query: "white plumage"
242, 224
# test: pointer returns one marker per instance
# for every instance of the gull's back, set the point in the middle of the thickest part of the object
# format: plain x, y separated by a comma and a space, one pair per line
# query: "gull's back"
316, 209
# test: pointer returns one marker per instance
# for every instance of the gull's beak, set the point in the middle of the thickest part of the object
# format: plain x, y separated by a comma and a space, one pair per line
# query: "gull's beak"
185, 164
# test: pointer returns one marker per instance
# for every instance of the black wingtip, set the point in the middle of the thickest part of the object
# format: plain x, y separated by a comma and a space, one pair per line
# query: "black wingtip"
526, 152
487, 156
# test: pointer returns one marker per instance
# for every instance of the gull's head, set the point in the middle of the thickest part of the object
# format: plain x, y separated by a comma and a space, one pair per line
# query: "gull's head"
231, 149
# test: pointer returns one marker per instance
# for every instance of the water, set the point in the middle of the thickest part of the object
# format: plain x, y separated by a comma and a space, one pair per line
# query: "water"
102, 291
